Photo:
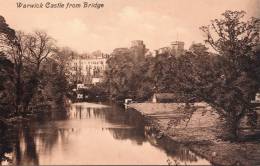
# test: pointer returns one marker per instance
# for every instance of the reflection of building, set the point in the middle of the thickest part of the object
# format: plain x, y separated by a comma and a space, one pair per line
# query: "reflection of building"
89, 69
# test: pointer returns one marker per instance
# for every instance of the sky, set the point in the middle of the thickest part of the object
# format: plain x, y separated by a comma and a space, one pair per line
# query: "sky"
156, 22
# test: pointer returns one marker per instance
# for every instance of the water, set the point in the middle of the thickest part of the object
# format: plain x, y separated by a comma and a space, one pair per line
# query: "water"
90, 134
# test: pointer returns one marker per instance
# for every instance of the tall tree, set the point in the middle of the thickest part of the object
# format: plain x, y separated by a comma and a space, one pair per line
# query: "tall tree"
16, 53
227, 81
7, 93
125, 78
7, 34
7, 39
38, 47
60, 73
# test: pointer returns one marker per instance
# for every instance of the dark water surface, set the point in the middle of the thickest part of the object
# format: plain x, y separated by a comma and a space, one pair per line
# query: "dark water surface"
90, 134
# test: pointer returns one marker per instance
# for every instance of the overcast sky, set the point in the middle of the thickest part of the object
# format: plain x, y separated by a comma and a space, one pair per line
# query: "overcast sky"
157, 22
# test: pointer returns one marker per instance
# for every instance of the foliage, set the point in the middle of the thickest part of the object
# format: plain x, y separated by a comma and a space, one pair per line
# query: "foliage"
40, 69
125, 77
227, 81
6, 87
6, 70
7, 34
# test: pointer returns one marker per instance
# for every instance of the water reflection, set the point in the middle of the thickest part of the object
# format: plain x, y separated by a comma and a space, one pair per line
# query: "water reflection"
89, 134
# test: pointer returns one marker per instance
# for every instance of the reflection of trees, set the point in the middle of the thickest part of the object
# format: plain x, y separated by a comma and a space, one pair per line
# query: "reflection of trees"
21, 140
81, 113
129, 118
118, 115
11, 142
6, 143
176, 150
30, 155
48, 138
113, 114
133, 119
60, 113
128, 133
131, 125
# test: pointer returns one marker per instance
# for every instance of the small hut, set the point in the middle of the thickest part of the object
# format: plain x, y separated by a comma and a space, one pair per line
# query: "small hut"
163, 98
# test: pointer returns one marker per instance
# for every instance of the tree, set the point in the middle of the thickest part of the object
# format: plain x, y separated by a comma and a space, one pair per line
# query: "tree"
160, 72
38, 46
36, 61
7, 40
16, 53
227, 81
7, 93
198, 48
119, 75
125, 78
7, 34
60, 73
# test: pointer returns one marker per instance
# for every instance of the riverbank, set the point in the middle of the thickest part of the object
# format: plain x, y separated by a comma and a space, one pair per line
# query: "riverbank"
199, 131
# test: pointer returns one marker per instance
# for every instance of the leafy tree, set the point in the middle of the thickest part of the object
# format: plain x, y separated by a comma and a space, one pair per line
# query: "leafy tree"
60, 73
227, 81
7, 34
13, 45
125, 78
38, 47
119, 76
16, 53
38, 66
7, 38
160, 72
198, 48
7, 93
145, 86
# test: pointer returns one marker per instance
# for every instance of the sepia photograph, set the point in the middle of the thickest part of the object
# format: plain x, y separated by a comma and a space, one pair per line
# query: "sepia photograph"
130, 82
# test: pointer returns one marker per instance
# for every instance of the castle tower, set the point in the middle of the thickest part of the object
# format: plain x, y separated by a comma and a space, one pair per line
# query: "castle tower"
138, 48
177, 48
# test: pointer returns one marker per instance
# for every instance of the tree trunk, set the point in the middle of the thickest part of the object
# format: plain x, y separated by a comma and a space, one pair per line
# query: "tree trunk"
18, 90
30, 90
231, 128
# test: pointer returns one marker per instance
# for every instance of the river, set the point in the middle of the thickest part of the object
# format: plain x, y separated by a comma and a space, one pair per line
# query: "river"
90, 133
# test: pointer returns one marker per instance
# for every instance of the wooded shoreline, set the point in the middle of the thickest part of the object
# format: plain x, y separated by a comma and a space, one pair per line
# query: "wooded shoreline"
202, 141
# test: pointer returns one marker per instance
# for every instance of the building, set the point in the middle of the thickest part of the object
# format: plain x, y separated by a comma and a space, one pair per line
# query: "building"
90, 68
176, 48
138, 49
163, 50
163, 98
137, 43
